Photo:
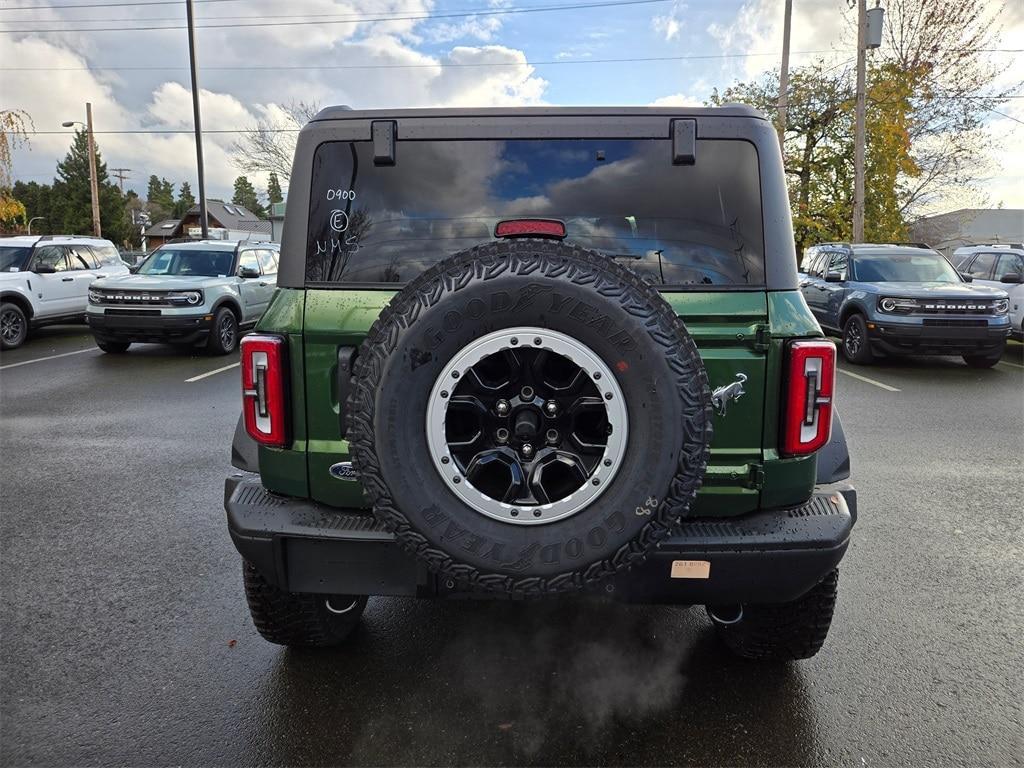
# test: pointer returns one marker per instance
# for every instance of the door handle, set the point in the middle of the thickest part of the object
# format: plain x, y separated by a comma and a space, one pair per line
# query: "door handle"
67, 279
100, 276
804, 283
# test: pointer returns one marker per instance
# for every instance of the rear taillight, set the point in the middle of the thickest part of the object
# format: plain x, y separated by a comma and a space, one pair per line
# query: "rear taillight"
264, 369
810, 380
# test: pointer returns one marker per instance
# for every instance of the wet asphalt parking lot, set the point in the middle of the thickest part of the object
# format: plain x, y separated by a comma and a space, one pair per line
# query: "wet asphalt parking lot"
124, 636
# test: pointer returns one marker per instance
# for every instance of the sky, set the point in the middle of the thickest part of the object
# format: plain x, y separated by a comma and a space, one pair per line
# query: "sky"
456, 53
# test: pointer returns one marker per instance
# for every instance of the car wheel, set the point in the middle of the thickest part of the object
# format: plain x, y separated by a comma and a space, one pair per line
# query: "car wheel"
224, 333
984, 361
297, 618
779, 631
114, 347
552, 413
856, 347
13, 326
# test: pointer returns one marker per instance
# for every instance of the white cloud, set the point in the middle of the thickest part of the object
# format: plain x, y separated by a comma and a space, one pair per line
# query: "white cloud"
677, 100
670, 24
817, 25
236, 99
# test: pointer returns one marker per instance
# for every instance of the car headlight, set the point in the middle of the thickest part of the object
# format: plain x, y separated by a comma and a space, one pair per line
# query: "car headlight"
192, 298
891, 304
95, 297
1001, 306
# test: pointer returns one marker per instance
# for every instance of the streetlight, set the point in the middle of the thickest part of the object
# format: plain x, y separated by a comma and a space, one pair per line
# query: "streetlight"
93, 186
34, 218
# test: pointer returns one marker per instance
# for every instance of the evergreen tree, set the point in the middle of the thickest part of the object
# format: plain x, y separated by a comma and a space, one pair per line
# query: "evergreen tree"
72, 199
245, 196
274, 193
160, 198
185, 200
36, 197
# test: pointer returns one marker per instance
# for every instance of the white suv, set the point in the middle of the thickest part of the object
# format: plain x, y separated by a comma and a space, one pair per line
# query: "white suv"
45, 279
1001, 266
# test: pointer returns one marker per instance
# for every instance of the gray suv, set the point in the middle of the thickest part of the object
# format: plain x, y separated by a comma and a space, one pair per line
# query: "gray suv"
197, 292
901, 300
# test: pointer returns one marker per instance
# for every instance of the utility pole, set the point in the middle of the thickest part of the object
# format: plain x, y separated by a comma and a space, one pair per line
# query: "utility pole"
121, 174
204, 221
94, 187
858, 130
869, 35
784, 75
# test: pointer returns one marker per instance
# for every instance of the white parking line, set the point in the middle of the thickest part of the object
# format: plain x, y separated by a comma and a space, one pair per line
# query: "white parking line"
865, 379
1013, 365
50, 357
211, 373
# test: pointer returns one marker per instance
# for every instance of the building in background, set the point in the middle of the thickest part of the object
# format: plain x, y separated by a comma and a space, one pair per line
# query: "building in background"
948, 231
227, 221
276, 221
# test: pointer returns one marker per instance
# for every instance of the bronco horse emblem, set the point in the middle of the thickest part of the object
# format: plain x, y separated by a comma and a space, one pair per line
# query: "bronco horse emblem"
722, 395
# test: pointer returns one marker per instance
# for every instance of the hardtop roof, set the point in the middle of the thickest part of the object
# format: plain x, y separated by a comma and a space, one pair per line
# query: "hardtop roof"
343, 112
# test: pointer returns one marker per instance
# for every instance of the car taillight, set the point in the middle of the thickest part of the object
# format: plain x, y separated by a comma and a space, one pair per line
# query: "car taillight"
263, 389
807, 416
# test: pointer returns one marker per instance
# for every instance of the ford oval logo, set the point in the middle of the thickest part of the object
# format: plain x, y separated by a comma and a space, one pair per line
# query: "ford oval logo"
343, 471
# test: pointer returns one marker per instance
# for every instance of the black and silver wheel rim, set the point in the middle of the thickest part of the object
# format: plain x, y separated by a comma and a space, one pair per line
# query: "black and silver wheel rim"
226, 331
527, 426
853, 340
12, 326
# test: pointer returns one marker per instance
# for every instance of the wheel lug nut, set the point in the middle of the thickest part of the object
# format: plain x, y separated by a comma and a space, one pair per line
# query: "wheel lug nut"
527, 450
501, 407
551, 408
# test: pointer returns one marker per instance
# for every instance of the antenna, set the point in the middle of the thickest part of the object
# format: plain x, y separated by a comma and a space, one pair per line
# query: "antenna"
120, 174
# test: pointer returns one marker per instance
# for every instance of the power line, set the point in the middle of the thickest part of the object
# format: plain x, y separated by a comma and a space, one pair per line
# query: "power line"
1011, 117
149, 19
438, 65
186, 131
111, 5
367, 19
288, 67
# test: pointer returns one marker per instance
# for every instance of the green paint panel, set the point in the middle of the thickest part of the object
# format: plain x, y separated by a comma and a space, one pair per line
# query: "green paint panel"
736, 332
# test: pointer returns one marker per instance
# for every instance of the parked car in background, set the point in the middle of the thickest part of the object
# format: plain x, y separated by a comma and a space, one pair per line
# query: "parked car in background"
131, 258
900, 300
196, 292
45, 279
1001, 266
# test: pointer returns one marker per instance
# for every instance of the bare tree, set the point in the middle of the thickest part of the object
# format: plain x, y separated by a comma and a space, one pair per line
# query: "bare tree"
15, 127
944, 49
269, 145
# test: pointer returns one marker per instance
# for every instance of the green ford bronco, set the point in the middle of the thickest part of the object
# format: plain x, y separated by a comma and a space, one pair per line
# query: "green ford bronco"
529, 352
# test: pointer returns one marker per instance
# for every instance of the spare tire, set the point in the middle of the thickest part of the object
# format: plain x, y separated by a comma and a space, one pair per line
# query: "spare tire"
529, 417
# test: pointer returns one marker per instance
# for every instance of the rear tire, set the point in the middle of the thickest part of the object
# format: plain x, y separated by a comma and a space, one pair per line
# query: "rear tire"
13, 326
984, 361
780, 631
223, 333
299, 619
114, 347
856, 347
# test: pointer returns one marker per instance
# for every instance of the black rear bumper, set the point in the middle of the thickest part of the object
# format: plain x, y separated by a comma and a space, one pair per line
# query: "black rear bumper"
764, 557
142, 326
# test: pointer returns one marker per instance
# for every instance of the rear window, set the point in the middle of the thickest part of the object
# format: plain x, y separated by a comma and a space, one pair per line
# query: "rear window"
675, 225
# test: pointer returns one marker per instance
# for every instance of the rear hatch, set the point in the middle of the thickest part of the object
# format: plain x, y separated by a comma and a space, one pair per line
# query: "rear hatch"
685, 217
